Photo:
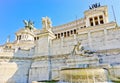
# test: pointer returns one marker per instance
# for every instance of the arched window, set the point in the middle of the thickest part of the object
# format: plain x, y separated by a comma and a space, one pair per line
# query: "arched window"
61, 34
74, 31
37, 38
58, 35
34, 38
101, 19
19, 37
96, 20
64, 34
91, 21
68, 34
71, 32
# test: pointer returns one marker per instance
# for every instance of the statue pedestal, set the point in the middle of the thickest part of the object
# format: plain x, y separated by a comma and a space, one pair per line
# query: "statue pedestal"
43, 45
40, 68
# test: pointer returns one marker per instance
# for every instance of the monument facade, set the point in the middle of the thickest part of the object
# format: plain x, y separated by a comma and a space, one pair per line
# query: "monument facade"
35, 55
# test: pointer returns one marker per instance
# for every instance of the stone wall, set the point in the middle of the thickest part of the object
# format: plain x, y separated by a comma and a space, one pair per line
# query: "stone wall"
99, 38
14, 67
14, 72
63, 45
40, 68
7, 70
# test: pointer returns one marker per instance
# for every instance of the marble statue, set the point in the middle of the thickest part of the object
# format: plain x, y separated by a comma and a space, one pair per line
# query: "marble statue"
78, 49
46, 23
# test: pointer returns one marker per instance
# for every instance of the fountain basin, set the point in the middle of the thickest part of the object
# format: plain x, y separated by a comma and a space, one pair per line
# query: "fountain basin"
83, 75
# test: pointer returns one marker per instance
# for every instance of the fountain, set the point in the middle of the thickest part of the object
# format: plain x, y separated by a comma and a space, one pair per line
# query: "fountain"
87, 73
82, 74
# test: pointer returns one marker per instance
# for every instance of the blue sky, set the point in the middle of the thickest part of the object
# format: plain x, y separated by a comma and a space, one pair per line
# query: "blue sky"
13, 12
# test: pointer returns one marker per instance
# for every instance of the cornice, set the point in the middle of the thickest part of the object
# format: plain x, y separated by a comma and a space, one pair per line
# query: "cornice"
35, 57
73, 22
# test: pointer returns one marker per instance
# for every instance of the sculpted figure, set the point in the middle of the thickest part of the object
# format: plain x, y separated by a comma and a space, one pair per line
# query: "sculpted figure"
29, 24
25, 22
78, 49
46, 23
